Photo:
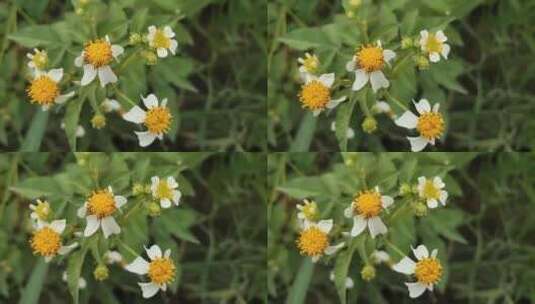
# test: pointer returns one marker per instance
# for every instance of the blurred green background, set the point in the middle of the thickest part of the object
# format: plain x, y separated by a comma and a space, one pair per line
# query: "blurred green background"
217, 235
215, 84
484, 234
485, 88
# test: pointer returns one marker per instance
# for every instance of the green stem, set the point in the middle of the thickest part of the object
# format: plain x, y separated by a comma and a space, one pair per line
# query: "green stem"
395, 248
397, 101
128, 248
123, 96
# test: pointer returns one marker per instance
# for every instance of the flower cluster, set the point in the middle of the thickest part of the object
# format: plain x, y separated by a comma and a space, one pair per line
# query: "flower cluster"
374, 64
102, 210
372, 210
100, 58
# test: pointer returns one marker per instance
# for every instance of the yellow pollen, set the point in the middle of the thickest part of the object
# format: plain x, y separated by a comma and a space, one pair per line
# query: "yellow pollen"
158, 120
430, 125
433, 45
98, 53
42, 210
428, 271
430, 191
43, 90
312, 242
101, 203
160, 40
45, 242
315, 95
367, 203
311, 63
161, 271
163, 190
371, 58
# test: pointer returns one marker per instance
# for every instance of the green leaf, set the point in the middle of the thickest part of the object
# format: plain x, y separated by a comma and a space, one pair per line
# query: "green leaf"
300, 286
304, 135
33, 289
72, 116
343, 118
35, 187
37, 35
341, 268
34, 136
74, 270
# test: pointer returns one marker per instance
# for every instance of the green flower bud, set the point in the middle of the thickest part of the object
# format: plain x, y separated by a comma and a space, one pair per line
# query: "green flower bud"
98, 121
406, 42
367, 273
101, 273
369, 125
138, 189
405, 189
154, 209
419, 209
422, 62
150, 57
135, 38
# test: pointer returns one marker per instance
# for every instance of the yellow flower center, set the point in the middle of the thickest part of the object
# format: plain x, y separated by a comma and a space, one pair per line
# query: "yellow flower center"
160, 40
311, 63
40, 59
161, 271
163, 190
101, 203
368, 204
45, 242
430, 191
371, 58
428, 271
315, 95
42, 210
312, 242
158, 120
430, 125
98, 53
43, 90
310, 211
433, 45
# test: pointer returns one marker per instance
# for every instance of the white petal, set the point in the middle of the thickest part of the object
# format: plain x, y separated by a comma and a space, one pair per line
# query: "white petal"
315, 258
359, 224
436, 107
106, 75
92, 225
350, 133
348, 212
361, 79
138, 266
55, 74
79, 61
424, 34
162, 53
150, 101
168, 31
89, 74
82, 210
389, 55
327, 79
405, 266
165, 203
386, 201
48, 259
154, 252
176, 197
351, 66
407, 120
66, 249
443, 197
378, 80
119, 201
167, 253
58, 225
438, 183
423, 106
333, 249
148, 289
152, 29
110, 226
135, 115
417, 143
316, 112
335, 102
434, 57
432, 203
441, 37
376, 226
415, 289
145, 138
173, 46
349, 283
172, 182
116, 50
325, 225
421, 252
63, 98
445, 50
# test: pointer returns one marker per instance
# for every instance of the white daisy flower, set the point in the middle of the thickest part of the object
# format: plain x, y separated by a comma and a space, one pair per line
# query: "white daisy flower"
432, 190
308, 211
350, 133
98, 211
162, 40
348, 283
368, 64
430, 124
315, 94
365, 210
96, 59
160, 270
82, 283
427, 270
308, 66
110, 105
46, 239
44, 89
40, 211
313, 240
434, 45
165, 190
157, 119
38, 60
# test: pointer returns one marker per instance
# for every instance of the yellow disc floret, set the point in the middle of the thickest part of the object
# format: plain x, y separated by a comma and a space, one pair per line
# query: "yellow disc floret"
43, 90
163, 190
98, 53
315, 95
430, 125
161, 271
312, 242
433, 45
158, 120
367, 204
430, 191
160, 40
371, 58
101, 203
45, 242
428, 271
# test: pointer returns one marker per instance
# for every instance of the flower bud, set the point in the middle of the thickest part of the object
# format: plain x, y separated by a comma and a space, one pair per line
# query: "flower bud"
138, 189
422, 62
154, 209
98, 121
405, 189
101, 273
135, 38
369, 125
355, 3
419, 209
406, 42
150, 57
367, 273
